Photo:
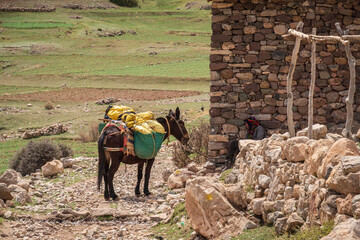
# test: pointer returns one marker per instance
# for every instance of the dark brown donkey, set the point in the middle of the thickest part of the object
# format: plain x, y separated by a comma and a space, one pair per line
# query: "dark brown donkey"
115, 139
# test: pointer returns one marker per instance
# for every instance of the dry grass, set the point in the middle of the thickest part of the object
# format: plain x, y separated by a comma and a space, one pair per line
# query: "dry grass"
49, 106
197, 148
89, 134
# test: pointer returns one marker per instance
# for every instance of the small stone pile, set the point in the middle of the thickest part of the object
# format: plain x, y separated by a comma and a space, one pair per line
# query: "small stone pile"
53, 129
107, 33
24, 9
107, 100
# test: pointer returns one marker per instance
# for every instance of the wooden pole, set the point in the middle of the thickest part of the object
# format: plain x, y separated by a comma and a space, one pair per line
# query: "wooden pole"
312, 87
290, 97
352, 87
319, 39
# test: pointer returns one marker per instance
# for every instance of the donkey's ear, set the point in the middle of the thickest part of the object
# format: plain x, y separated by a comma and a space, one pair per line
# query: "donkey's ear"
177, 113
171, 113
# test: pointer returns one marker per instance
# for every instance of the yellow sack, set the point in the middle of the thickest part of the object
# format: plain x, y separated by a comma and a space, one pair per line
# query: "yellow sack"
146, 115
156, 126
143, 122
116, 111
143, 128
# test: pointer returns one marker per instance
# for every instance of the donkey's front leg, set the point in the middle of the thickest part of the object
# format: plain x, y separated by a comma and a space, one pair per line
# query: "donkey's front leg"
147, 176
139, 177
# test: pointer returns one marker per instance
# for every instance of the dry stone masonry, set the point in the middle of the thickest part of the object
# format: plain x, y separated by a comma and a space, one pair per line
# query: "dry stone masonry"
250, 60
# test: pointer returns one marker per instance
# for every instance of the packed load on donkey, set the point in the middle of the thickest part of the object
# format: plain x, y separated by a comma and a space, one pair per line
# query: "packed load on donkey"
143, 134
112, 141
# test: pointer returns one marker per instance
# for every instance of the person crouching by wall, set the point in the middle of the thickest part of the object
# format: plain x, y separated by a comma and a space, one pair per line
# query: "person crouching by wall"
254, 131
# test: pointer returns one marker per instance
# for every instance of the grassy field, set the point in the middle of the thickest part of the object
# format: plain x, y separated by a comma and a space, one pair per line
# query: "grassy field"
42, 51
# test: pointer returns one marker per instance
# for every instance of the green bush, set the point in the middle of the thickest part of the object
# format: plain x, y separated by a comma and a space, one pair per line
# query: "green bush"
65, 150
126, 3
35, 154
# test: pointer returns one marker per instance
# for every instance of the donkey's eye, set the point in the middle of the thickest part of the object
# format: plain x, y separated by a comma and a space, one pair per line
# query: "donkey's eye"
181, 122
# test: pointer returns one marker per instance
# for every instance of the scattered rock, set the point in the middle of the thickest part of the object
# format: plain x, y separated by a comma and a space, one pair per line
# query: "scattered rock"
319, 131
178, 178
236, 196
52, 168
5, 193
10, 176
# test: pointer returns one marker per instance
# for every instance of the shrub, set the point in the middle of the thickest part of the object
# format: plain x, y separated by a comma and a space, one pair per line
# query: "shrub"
65, 150
90, 134
197, 148
34, 155
49, 106
313, 233
126, 3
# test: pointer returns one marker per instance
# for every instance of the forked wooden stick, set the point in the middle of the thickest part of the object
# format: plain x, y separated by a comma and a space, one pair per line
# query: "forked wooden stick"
290, 97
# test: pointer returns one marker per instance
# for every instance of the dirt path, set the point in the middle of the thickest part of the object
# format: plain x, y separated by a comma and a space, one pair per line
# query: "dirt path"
93, 94
69, 207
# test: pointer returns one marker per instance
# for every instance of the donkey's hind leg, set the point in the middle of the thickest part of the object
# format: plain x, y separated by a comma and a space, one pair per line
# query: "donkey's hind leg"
115, 163
139, 177
147, 176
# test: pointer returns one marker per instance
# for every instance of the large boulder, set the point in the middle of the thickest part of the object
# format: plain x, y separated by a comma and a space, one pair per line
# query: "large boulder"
349, 230
52, 168
210, 212
341, 183
295, 149
319, 131
10, 176
5, 193
178, 178
342, 147
317, 151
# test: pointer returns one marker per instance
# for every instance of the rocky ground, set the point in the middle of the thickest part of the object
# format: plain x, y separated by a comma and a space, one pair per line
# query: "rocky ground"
70, 207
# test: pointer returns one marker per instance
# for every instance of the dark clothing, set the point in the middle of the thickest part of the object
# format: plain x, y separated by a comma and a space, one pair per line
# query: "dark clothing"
259, 133
234, 150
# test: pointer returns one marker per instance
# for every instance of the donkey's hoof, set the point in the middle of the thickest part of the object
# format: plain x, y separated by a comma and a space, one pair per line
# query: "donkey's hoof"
114, 197
147, 193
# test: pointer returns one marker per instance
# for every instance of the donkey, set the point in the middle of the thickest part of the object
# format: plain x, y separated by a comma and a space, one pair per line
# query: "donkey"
109, 161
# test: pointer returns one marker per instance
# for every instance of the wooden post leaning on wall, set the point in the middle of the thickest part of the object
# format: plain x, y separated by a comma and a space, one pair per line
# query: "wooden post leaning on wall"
312, 87
352, 87
290, 97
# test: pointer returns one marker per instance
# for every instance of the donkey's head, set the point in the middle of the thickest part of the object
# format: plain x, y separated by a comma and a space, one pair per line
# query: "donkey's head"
175, 126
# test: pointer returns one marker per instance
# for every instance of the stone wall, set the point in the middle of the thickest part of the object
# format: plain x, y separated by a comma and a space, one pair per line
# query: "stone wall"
250, 61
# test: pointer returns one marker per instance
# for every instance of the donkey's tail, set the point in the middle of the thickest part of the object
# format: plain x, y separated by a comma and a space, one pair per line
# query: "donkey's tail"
102, 159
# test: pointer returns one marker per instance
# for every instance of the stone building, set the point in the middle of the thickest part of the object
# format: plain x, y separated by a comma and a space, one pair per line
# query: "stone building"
250, 59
